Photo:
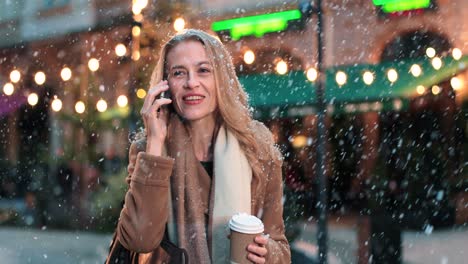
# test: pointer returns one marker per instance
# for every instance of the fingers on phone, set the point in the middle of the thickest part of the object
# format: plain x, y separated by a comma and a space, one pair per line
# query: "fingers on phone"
154, 92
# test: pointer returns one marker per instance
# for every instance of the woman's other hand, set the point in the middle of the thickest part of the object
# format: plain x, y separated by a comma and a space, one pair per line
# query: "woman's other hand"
257, 251
155, 118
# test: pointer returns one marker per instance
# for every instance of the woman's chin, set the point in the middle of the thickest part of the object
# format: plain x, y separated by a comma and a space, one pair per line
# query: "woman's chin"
192, 117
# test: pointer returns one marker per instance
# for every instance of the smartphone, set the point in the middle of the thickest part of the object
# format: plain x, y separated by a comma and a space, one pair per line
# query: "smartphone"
165, 94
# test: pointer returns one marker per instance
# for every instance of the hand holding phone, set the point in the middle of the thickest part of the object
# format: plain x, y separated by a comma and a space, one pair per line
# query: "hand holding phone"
165, 94
155, 117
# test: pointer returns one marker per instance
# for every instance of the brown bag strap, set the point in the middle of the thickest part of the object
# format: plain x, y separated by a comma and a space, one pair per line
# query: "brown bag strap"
118, 254
178, 255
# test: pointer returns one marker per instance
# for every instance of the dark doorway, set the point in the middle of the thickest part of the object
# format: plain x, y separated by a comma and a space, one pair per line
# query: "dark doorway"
413, 45
33, 129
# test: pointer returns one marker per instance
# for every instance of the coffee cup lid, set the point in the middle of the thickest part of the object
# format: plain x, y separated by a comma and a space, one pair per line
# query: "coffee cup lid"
245, 223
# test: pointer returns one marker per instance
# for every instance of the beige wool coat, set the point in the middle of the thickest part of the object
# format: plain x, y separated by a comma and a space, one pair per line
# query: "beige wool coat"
143, 219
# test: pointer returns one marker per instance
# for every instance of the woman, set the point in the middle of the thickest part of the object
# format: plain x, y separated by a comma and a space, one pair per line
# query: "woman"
202, 160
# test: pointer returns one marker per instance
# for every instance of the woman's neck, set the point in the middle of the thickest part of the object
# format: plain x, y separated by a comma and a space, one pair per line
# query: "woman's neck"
202, 133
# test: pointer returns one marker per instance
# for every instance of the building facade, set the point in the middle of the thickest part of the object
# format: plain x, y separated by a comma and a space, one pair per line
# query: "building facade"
49, 36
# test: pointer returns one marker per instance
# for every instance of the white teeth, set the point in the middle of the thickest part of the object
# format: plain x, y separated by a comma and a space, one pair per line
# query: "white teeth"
193, 98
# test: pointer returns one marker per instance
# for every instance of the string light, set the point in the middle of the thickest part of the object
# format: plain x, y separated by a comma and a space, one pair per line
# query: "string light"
40, 78
299, 141
341, 78
430, 52
436, 90
312, 74
56, 104
136, 31
456, 53
420, 89
80, 107
122, 100
179, 24
15, 76
33, 99
141, 3
66, 74
101, 105
415, 70
392, 75
281, 67
8, 89
93, 64
397, 104
249, 57
136, 55
368, 77
456, 83
120, 50
436, 63
141, 93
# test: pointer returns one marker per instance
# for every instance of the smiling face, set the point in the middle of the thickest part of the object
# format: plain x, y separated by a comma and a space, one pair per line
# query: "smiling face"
191, 81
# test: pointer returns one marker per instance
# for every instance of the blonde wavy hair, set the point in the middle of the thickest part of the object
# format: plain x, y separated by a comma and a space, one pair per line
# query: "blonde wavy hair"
254, 138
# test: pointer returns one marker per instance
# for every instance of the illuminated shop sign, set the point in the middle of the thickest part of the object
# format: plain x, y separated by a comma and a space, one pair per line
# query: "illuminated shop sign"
258, 25
393, 6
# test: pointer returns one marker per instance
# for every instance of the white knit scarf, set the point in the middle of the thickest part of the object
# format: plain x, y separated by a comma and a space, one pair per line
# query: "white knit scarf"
232, 194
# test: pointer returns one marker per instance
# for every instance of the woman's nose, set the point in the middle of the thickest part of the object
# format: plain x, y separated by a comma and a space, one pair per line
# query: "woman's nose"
192, 81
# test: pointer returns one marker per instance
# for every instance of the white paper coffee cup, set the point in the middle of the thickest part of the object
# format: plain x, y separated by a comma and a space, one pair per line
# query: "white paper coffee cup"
244, 229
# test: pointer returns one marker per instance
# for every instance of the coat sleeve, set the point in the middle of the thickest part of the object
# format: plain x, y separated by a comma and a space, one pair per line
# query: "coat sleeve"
144, 215
278, 246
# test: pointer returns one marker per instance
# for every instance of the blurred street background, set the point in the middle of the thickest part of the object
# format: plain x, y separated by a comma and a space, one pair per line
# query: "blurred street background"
74, 74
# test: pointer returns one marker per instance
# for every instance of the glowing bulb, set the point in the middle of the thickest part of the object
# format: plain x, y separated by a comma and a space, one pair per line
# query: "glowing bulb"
136, 55
415, 70
93, 64
179, 24
436, 90
397, 104
120, 50
249, 57
56, 104
33, 99
436, 63
368, 77
136, 10
15, 76
140, 3
312, 74
40, 78
136, 31
299, 141
281, 67
101, 105
456, 83
430, 52
420, 89
341, 78
138, 17
456, 53
8, 88
66, 74
80, 107
392, 75
122, 100
141, 93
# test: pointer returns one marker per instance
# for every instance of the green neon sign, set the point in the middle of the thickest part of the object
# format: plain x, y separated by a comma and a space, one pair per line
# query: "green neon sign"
390, 6
256, 25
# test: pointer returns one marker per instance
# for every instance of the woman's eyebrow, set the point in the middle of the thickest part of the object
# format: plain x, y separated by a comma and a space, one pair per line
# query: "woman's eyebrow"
203, 62
177, 67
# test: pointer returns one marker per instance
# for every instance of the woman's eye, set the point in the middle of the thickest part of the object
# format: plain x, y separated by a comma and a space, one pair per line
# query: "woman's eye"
177, 73
204, 70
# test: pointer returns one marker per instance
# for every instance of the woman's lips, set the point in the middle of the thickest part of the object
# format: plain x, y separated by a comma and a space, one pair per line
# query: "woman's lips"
193, 99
